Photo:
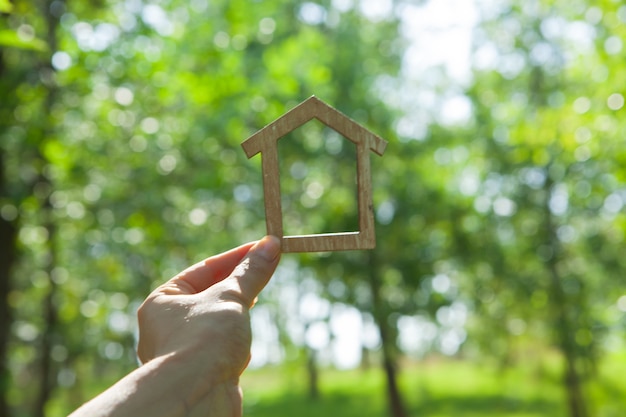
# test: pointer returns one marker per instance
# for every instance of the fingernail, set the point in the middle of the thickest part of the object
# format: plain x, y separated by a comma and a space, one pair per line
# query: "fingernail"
268, 247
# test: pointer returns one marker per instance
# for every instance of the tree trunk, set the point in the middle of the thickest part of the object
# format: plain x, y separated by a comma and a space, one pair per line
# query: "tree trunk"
562, 307
563, 321
395, 401
394, 396
366, 359
313, 374
8, 257
48, 380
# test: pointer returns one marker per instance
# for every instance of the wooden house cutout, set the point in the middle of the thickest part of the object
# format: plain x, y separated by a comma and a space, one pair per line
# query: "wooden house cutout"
265, 141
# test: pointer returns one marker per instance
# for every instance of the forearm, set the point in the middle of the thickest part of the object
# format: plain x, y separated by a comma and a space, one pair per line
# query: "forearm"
160, 388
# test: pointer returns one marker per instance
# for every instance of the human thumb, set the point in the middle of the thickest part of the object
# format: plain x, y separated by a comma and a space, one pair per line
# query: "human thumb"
255, 269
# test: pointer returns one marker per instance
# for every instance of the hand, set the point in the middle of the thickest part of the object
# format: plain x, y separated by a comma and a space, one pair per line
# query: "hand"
194, 339
202, 314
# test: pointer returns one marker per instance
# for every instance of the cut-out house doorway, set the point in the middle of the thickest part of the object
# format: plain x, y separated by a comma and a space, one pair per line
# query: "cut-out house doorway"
317, 181
265, 141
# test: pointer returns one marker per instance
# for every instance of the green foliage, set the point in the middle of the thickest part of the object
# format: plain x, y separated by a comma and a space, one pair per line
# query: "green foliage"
120, 125
10, 38
6, 6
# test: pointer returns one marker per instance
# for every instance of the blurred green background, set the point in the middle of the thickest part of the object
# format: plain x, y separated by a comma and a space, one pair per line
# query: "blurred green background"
497, 287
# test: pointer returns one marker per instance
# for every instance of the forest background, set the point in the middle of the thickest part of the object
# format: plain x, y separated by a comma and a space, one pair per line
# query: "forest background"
497, 287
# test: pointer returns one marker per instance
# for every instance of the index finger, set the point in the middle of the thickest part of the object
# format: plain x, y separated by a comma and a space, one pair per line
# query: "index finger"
205, 273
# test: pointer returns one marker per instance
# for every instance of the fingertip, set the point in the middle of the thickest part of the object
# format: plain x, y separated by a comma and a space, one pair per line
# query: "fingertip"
268, 248
256, 269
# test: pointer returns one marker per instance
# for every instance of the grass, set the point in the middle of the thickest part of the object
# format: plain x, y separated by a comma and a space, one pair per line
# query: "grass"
280, 391
435, 388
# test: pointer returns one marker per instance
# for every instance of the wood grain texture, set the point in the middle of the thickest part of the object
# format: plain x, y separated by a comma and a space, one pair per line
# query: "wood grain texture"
265, 141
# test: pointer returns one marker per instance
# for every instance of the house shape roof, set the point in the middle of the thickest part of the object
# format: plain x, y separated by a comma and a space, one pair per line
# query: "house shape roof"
265, 141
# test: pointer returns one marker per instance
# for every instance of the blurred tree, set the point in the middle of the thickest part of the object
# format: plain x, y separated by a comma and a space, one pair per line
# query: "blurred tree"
8, 235
544, 180
8, 258
122, 153
12, 193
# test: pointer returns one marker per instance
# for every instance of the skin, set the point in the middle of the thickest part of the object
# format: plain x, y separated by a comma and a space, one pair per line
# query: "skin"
194, 340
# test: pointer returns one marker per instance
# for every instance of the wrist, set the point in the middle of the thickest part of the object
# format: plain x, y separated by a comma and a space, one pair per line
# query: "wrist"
181, 378
196, 384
